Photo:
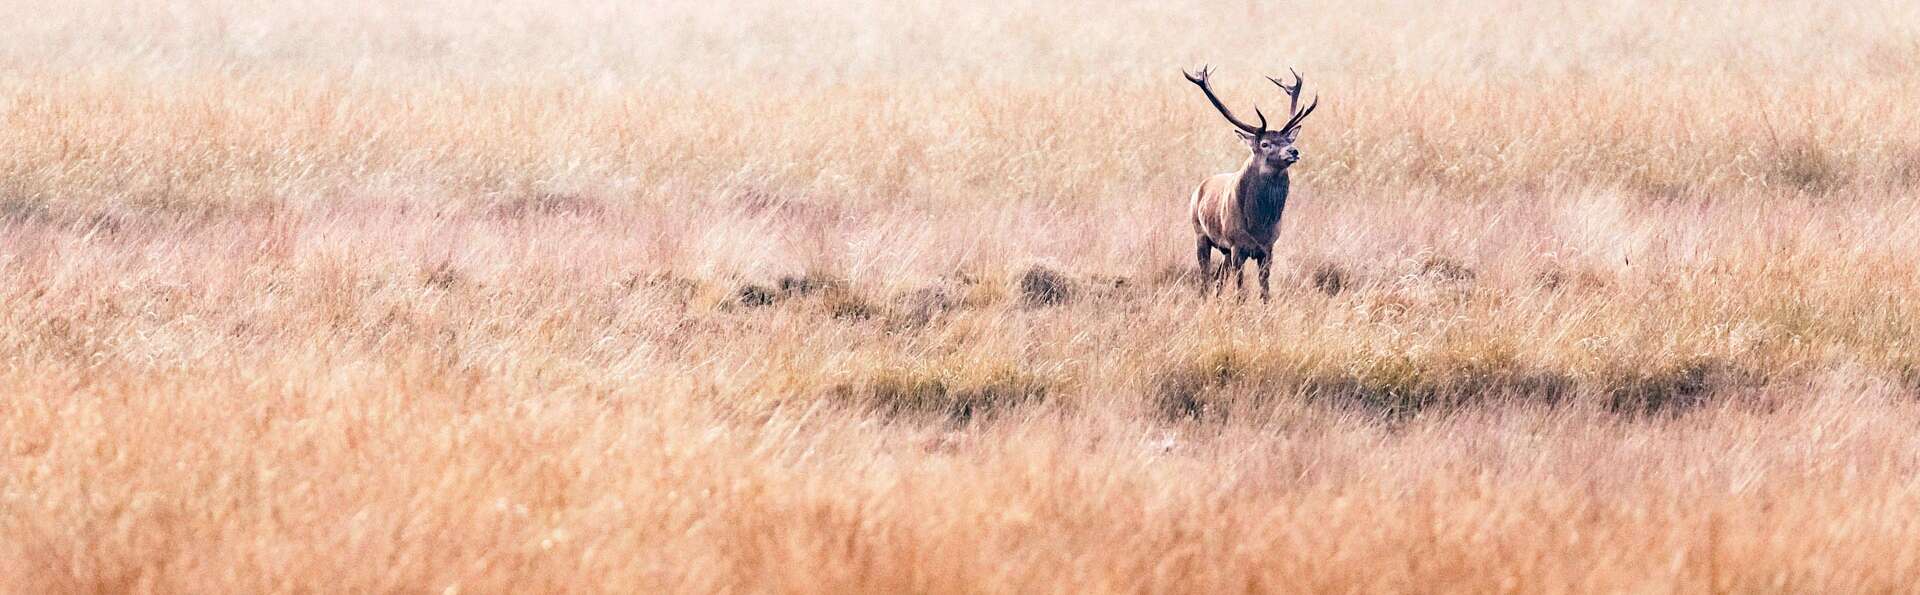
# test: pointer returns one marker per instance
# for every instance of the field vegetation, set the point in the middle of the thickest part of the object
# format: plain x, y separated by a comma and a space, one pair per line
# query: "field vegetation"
752, 296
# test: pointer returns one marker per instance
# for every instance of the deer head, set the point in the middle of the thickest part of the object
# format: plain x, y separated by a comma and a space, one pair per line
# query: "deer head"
1273, 149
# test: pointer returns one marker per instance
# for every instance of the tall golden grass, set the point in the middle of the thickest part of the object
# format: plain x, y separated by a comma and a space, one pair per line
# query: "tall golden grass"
843, 297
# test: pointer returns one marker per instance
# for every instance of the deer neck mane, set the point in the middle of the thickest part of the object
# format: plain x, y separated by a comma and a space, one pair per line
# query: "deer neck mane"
1262, 192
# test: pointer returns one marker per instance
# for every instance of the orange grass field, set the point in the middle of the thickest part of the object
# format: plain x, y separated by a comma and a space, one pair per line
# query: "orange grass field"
830, 297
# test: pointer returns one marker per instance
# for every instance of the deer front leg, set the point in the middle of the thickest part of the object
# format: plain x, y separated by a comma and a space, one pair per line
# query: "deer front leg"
1239, 259
1265, 260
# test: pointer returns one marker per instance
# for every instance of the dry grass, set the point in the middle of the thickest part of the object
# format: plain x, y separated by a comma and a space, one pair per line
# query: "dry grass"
580, 296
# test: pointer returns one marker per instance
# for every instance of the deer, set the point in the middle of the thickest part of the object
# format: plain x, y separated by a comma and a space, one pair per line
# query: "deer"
1238, 213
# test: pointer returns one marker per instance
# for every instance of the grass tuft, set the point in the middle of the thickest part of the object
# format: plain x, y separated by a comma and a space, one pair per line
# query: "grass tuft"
1043, 286
1446, 269
1192, 391
375, 296
1224, 382
544, 204
1673, 388
1330, 279
442, 274
1807, 167
957, 394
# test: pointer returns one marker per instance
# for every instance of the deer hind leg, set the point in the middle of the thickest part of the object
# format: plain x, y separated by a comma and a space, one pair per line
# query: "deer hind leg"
1226, 268
1203, 251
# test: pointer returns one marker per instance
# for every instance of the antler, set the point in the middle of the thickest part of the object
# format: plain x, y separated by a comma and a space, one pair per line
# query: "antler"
1294, 114
1206, 86
1293, 92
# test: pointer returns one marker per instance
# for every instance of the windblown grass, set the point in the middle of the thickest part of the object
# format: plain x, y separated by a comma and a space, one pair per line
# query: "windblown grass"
842, 297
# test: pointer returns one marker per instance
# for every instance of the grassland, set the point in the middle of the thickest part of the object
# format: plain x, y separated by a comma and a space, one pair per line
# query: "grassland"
754, 297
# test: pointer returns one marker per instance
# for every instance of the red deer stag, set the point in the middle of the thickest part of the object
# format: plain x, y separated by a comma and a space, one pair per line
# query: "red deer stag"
1238, 213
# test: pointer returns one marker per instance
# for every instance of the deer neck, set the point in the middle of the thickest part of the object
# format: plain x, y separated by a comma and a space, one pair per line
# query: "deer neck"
1262, 192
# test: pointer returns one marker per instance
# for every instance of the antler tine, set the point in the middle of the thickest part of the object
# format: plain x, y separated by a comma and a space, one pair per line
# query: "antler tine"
1293, 92
1299, 117
1201, 80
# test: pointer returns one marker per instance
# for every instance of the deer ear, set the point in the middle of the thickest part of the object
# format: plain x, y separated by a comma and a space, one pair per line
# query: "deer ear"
1244, 135
1293, 134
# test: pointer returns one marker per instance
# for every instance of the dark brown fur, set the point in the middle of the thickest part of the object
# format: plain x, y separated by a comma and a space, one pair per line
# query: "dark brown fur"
1238, 213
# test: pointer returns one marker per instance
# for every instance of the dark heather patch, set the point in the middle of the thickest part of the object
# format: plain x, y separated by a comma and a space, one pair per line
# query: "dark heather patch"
954, 398
921, 306
1907, 374
441, 275
1671, 390
793, 286
754, 296
1041, 286
543, 204
1330, 279
1190, 392
790, 287
20, 210
1446, 269
844, 304
1217, 383
1807, 167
